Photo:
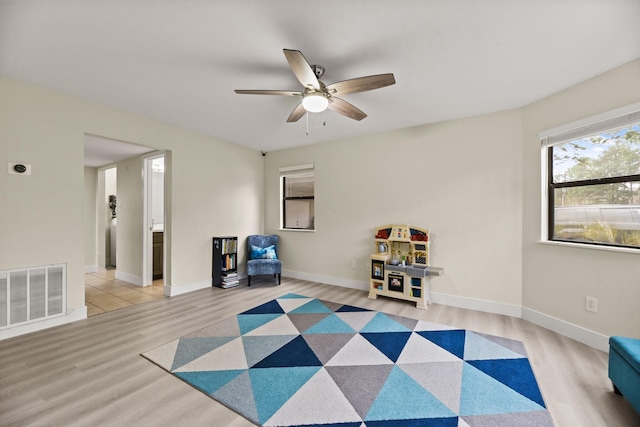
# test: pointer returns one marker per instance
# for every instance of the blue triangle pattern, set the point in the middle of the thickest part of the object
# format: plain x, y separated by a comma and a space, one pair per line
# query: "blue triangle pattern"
389, 343
209, 381
497, 385
249, 322
418, 422
295, 353
350, 308
292, 296
268, 307
330, 325
452, 341
477, 347
383, 323
272, 387
482, 395
257, 348
356, 424
515, 373
403, 397
313, 306
228, 395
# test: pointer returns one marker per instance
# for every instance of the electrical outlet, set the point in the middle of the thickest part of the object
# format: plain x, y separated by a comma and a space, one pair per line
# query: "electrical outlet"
591, 304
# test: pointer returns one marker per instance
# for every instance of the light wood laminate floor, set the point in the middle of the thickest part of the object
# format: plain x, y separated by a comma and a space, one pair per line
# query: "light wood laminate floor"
90, 372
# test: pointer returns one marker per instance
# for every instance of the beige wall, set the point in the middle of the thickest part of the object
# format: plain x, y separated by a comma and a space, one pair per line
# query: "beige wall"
475, 182
462, 179
129, 240
90, 218
216, 186
556, 280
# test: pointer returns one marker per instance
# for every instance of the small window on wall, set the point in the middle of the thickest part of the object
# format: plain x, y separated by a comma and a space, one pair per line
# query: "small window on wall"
592, 191
297, 188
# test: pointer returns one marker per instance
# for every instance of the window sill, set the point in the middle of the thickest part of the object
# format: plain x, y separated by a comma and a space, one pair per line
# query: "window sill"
587, 246
304, 230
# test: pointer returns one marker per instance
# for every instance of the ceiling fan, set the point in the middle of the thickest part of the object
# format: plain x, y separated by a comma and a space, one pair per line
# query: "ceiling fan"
316, 96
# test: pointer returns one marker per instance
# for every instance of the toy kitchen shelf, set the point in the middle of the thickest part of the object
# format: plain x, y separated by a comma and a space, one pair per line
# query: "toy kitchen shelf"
400, 267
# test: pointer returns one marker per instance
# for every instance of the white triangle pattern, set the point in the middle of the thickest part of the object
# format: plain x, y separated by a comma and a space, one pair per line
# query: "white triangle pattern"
319, 401
359, 351
279, 326
477, 347
226, 357
163, 356
418, 349
357, 320
290, 304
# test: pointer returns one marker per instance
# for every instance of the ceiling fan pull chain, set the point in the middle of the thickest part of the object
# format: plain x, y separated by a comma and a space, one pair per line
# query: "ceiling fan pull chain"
324, 118
307, 123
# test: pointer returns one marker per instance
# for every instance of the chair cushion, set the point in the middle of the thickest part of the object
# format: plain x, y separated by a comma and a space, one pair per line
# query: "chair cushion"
628, 348
263, 253
263, 266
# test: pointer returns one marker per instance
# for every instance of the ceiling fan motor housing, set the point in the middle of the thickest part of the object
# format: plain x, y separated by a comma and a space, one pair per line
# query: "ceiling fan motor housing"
318, 70
316, 96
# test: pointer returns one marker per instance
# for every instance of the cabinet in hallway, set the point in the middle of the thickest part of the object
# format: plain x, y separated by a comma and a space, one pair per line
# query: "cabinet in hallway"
158, 237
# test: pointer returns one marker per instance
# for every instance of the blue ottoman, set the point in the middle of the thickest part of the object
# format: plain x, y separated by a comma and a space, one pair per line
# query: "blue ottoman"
624, 368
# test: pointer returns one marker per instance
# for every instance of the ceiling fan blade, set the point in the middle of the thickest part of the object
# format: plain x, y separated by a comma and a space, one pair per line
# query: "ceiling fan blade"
343, 107
362, 84
301, 68
269, 92
297, 113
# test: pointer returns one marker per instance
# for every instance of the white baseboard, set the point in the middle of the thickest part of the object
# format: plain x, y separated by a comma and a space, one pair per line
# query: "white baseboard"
570, 330
129, 278
172, 291
337, 281
90, 269
567, 329
477, 304
72, 315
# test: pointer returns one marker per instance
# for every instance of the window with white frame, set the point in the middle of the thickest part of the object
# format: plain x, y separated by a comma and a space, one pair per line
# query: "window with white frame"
297, 189
591, 191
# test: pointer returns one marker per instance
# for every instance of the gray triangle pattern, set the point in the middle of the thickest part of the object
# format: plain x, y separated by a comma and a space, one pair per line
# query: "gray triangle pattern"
442, 379
360, 384
355, 368
325, 346
304, 321
239, 386
513, 345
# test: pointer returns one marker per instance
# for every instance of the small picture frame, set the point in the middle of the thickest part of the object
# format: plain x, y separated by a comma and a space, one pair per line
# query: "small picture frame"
377, 269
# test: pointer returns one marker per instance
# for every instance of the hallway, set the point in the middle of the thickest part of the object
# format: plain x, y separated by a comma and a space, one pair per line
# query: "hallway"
104, 293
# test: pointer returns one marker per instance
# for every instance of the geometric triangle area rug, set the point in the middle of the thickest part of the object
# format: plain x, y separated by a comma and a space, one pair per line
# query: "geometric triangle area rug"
299, 361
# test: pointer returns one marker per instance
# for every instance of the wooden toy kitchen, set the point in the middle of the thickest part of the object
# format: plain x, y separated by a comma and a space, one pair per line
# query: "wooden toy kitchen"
400, 266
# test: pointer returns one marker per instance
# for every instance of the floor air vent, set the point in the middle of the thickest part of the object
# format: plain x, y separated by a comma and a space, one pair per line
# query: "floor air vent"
32, 294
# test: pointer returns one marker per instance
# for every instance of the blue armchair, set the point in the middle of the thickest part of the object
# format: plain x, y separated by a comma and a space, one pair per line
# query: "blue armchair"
263, 256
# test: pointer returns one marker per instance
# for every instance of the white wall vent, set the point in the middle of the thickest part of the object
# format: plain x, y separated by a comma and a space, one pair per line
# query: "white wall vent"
32, 294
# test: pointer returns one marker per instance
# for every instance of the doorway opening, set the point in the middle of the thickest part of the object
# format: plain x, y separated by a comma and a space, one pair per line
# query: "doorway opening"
127, 183
154, 219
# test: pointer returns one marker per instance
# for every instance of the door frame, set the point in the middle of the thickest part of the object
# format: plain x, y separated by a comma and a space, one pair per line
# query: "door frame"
147, 220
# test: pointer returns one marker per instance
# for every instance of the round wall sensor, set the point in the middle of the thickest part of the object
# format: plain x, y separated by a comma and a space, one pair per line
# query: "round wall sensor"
20, 168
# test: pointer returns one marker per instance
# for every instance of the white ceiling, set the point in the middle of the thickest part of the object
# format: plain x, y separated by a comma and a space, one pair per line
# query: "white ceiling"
100, 151
179, 61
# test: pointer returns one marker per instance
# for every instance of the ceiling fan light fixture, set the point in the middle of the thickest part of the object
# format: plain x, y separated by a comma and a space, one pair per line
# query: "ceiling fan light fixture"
315, 102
